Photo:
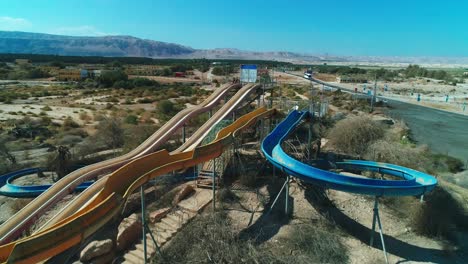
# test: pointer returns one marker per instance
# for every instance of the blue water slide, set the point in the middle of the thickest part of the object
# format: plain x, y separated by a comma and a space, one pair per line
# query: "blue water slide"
410, 182
27, 191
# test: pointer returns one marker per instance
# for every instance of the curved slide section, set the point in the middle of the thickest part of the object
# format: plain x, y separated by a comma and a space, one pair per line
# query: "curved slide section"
27, 191
190, 144
16, 224
111, 199
412, 182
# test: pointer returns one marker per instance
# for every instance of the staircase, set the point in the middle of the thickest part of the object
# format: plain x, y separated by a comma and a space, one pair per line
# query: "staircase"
168, 226
205, 179
205, 175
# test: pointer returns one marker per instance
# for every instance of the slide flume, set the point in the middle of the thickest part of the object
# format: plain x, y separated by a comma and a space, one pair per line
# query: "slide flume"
412, 182
24, 218
8, 188
190, 144
118, 187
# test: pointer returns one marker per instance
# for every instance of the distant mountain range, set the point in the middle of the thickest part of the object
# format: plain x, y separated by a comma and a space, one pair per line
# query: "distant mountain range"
128, 46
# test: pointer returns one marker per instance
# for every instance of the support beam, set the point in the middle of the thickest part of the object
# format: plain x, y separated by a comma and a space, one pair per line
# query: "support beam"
143, 221
145, 226
286, 202
375, 218
214, 185
277, 197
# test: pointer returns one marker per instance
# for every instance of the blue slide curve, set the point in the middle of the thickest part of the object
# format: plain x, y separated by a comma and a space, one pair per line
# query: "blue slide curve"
412, 182
27, 191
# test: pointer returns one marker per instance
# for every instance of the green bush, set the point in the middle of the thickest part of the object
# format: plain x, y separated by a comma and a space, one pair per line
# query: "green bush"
166, 107
440, 215
354, 134
46, 108
131, 119
446, 162
69, 123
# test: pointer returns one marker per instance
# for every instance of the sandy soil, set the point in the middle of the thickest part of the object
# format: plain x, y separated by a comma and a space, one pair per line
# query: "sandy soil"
57, 113
92, 100
282, 77
163, 79
432, 94
9, 206
353, 215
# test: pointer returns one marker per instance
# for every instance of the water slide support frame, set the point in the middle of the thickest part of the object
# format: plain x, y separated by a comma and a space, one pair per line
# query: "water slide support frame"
143, 221
286, 183
286, 203
376, 217
146, 227
214, 185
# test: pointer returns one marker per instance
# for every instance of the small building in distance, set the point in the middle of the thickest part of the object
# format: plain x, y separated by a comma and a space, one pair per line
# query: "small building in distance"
52, 70
352, 79
142, 70
179, 74
72, 74
22, 62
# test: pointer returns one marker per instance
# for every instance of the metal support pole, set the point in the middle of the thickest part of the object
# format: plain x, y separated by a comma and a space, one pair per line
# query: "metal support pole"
309, 139
210, 113
233, 116
214, 183
270, 122
263, 95
373, 94
154, 241
286, 204
377, 217
143, 221
277, 197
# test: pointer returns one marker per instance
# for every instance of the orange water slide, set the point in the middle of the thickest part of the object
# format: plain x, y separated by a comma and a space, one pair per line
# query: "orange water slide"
23, 219
109, 202
190, 144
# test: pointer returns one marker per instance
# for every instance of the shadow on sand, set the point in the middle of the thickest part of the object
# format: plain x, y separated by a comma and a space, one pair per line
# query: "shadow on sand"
317, 197
269, 223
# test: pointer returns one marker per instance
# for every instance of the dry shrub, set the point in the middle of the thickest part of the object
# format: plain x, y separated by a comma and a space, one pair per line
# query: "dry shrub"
19, 203
354, 134
209, 239
396, 153
314, 243
440, 215
85, 117
225, 195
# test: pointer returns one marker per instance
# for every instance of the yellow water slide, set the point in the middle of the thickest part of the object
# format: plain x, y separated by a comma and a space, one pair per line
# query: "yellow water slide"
190, 144
109, 202
24, 218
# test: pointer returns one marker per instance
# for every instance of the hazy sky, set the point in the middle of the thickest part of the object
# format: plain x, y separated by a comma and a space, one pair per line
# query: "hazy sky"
339, 27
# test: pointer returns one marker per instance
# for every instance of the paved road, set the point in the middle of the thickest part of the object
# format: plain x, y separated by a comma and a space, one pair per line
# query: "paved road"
442, 131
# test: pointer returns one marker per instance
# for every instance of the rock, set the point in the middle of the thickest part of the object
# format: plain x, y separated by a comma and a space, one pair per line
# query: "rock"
338, 116
158, 214
96, 248
104, 259
129, 231
182, 194
134, 201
